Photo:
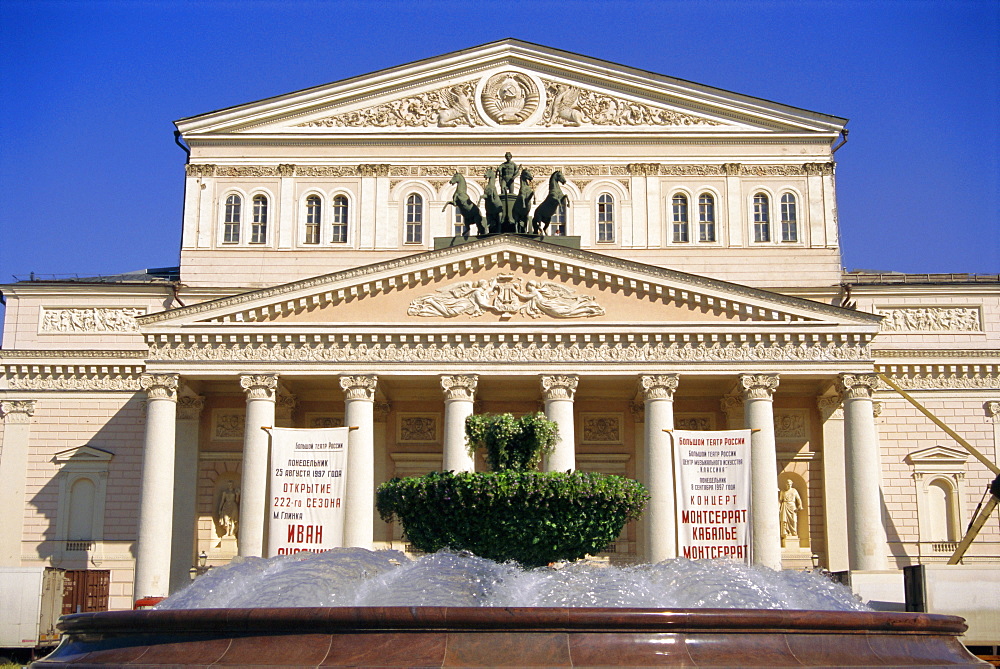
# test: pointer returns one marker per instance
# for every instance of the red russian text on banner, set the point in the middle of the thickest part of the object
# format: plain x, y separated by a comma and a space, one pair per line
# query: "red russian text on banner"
712, 488
306, 504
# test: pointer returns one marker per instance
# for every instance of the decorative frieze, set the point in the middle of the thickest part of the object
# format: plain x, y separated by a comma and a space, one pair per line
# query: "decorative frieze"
460, 387
969, 380
359, 387
559, 386
643, 169
771, 170
80, 320
445, 107
160, 386
68, 379
601, 428
317, 421
200, 170
17, 411
659, 386
732, 405
325, 170
246, 171
505, 295
930, 319
381, 411
758, 386
569, 105
259, 386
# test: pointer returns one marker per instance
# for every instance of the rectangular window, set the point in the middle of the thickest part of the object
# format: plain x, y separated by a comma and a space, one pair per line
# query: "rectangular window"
557, 226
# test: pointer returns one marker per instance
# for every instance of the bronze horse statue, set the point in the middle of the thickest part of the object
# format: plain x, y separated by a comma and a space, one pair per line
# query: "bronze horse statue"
466, 207
522, 205
550, 205
494, 205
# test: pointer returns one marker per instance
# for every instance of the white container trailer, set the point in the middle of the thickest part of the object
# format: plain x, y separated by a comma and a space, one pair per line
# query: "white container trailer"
32, 599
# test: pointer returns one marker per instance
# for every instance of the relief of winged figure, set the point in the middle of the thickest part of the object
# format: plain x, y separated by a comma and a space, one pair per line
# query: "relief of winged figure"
564, 105
456, 108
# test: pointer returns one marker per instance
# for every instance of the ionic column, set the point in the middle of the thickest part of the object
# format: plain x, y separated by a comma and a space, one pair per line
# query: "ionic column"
189, 407
16, 415
156, 501
459, 397
359, 413
831, 410
758, 408
261, 391
558, 391
866, 533
661, 521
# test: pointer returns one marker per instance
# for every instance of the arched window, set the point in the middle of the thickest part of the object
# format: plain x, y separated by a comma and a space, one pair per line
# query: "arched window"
761, 218
82, 496
338, 233
706, 218
414, 219
789, 219
231, 226
941, 511
314, 219
680, 208
605, 218
258, 228
557, 226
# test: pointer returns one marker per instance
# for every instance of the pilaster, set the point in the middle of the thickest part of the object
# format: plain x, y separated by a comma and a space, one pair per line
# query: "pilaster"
831, 410
16, 416
189, 408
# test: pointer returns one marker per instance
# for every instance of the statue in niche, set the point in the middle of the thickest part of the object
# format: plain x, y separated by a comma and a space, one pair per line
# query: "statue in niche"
229, 510
469, 209
791, 504
508, 172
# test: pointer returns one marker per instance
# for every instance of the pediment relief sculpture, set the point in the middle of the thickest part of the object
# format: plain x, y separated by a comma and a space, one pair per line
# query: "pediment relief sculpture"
445, 107
572, 106
505, 295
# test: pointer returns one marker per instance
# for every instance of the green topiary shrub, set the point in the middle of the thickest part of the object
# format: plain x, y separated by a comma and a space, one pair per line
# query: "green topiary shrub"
533, 518
512, 444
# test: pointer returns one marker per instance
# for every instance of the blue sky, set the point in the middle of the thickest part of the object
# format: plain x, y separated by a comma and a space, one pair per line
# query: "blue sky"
93, 180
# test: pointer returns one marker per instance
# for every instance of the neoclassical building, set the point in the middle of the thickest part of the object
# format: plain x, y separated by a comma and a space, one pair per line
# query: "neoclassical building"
691, 278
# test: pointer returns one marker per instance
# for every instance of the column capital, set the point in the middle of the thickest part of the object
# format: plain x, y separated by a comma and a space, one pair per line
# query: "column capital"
638, 410
160, 386
858, 386
831, 407
359, 387
381, 411
17, 411
189, 407
559, 386
460, 387
659, 386
758, 386
286, 404
992, 411
259, 386
731, 404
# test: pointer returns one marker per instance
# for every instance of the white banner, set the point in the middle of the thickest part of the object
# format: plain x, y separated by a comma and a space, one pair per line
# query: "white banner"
305, 508
712, 486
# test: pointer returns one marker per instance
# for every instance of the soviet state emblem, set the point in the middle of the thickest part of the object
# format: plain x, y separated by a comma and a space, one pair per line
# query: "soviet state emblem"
510, 97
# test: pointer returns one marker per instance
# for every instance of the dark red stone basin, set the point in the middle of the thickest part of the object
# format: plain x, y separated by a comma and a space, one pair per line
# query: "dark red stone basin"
507, 637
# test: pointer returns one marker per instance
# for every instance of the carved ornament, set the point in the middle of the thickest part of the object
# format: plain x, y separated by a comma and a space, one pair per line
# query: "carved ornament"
359, 387
791, 425
758, 386
285, 405
992, 411
229, 425
505, 295
771, 170
693, 423
461, 387
509, 98
602, 429
818, 169
643, 169
445, 107
638, 410
732, 405
831, 407
559, 386
965, 381
202, 170
381, 412
659, 386
246, 171
160, 386
930, 319
418, 428
189, 407
17, 411
572, 106
259, 386
858, 386
70, 381
90, 319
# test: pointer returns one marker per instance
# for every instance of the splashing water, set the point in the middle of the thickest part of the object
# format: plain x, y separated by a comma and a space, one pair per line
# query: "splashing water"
358, 577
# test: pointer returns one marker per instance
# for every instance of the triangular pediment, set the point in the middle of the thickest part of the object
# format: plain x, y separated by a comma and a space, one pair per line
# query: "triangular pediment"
508, 87
82, 454
937, 455
509, 280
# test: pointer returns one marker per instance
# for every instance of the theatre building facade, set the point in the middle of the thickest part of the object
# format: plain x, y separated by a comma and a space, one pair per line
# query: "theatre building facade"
690, 278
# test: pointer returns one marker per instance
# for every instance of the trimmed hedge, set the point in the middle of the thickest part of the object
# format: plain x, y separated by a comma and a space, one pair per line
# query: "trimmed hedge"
516, 444
531, 517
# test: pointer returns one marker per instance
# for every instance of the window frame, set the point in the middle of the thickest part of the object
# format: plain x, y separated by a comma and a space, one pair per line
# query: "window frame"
313, 221
789, 225
413, 220
705, 224
761, 217
680, 218
605, 218
232, 229
259, 218
340, 219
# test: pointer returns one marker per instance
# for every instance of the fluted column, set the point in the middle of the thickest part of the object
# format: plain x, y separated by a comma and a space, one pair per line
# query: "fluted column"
459, 398
16, 415
558, 392
831, 410
359, 413
661, 513
261, 391
758, 408
866, 533
156, 501
189, 408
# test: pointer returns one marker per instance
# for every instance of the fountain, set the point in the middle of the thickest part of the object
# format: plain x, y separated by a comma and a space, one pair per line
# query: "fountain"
354, 607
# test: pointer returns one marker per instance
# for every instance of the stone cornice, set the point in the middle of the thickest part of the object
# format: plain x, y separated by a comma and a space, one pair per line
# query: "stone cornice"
74, 377
944, 377
20, 354
506, 250
936, 353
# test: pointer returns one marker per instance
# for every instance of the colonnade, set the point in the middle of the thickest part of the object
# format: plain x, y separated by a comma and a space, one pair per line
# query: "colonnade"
169, 442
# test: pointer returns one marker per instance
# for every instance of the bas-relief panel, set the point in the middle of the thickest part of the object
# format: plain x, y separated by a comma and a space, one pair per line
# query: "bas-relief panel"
418, 428
228, 424
694, 421
601, 428
931, 319
318, 420
86, 320
791, 424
